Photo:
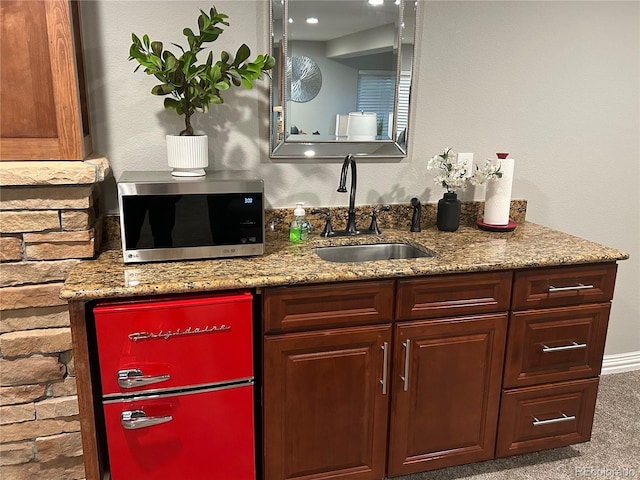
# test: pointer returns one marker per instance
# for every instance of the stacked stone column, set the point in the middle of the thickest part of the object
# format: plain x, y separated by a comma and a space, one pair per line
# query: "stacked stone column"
49, 221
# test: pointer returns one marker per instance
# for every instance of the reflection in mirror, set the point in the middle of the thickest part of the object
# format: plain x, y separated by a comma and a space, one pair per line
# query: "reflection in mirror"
342, 80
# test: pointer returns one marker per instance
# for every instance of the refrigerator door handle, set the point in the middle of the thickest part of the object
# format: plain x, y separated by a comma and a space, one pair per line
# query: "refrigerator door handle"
135, 419
134, 377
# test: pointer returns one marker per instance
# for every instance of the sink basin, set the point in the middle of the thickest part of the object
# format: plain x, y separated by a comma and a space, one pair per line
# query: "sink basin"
370, 253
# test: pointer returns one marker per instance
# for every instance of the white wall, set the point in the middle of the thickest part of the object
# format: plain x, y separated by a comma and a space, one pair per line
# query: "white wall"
556, 84
338, 93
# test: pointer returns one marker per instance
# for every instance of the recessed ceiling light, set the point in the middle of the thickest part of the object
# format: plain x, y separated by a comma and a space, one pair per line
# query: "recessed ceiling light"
290, 20
397, 2
312, 20
376, 3
309, 153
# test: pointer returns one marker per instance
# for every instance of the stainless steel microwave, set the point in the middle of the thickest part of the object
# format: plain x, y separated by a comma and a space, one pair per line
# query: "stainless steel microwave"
181, 218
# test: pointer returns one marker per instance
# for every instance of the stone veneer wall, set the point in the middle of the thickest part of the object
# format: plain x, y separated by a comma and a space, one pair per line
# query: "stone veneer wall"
49, 220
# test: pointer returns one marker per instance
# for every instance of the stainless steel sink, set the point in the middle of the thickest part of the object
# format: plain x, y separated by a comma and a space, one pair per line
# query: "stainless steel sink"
370, 253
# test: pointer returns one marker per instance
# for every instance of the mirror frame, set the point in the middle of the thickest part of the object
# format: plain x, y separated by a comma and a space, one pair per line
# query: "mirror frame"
284, 149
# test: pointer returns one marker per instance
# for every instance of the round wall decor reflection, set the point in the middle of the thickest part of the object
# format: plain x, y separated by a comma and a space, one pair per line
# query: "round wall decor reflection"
304, 78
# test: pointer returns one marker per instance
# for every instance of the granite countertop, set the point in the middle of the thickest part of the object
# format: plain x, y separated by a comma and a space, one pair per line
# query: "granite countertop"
284, 263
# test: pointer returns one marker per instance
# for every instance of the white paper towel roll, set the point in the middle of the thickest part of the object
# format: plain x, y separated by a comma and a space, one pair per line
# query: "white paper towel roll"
498, 195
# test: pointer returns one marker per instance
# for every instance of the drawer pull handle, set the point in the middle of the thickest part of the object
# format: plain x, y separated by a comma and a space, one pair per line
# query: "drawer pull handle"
580, 286
135, 419
563, 418
405, 378
573, 346
134, 377
385, 366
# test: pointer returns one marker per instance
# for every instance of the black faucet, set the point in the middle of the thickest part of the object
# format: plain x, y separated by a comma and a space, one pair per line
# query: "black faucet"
415, 218
351, 216
352, 229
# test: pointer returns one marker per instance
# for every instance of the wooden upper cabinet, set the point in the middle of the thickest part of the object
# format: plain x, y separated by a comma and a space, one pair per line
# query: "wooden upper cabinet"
44, 113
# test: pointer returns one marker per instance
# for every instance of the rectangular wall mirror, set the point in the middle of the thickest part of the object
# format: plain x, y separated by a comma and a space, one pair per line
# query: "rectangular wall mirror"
342, 80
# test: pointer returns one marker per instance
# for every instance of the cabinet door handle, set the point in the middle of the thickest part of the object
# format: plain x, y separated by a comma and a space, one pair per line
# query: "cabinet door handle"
563, 418
580, 286
405, 378
135, 419
573, 346
385, 366
134, 377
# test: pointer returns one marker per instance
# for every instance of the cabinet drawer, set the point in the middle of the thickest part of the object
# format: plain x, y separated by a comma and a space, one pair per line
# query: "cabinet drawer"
555, 344
289, 309
459, 294
547, 416
554, 287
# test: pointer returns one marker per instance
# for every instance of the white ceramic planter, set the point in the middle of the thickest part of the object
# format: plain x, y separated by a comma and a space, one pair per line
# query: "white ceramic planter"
188, 156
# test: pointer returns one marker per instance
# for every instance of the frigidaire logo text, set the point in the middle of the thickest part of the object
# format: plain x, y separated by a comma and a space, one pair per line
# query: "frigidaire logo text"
166, 335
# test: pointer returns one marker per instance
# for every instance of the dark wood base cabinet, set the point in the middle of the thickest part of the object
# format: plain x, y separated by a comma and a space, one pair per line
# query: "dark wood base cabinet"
369, 379
374, 379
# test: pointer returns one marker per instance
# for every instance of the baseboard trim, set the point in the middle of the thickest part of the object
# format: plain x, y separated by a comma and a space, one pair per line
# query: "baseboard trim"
621, 362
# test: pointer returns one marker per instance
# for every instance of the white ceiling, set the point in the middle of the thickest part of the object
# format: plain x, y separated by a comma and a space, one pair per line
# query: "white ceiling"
336, 18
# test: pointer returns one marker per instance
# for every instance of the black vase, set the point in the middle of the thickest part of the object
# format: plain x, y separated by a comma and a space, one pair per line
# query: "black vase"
448, 218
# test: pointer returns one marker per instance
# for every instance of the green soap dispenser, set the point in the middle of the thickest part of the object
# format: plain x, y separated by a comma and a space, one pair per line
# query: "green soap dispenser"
299, 231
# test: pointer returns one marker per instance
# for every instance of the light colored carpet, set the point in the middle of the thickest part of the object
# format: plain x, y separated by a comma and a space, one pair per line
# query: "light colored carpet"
612, 453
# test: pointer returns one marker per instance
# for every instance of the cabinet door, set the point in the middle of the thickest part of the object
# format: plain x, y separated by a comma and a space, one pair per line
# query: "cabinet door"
43, 94
446, 392
326, 404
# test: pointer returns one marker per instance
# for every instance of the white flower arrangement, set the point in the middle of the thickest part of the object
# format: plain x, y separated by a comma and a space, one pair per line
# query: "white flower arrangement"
454, 173
490, 171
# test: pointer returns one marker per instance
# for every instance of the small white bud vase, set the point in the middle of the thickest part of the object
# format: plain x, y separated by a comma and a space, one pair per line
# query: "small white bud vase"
188, 155
498, 195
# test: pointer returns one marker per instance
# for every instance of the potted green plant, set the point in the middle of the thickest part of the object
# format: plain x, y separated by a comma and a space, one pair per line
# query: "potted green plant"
190, 86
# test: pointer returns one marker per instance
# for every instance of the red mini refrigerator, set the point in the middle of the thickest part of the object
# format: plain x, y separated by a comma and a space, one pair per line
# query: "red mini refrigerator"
177, 387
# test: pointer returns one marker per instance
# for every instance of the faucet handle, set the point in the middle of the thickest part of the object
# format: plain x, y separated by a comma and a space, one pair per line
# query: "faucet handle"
374, 218
383, 208
328, 229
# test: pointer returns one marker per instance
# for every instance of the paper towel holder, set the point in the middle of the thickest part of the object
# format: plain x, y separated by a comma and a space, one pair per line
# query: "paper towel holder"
510, 226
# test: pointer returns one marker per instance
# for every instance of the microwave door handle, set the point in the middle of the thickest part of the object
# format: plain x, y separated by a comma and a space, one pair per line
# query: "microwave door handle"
133, 378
